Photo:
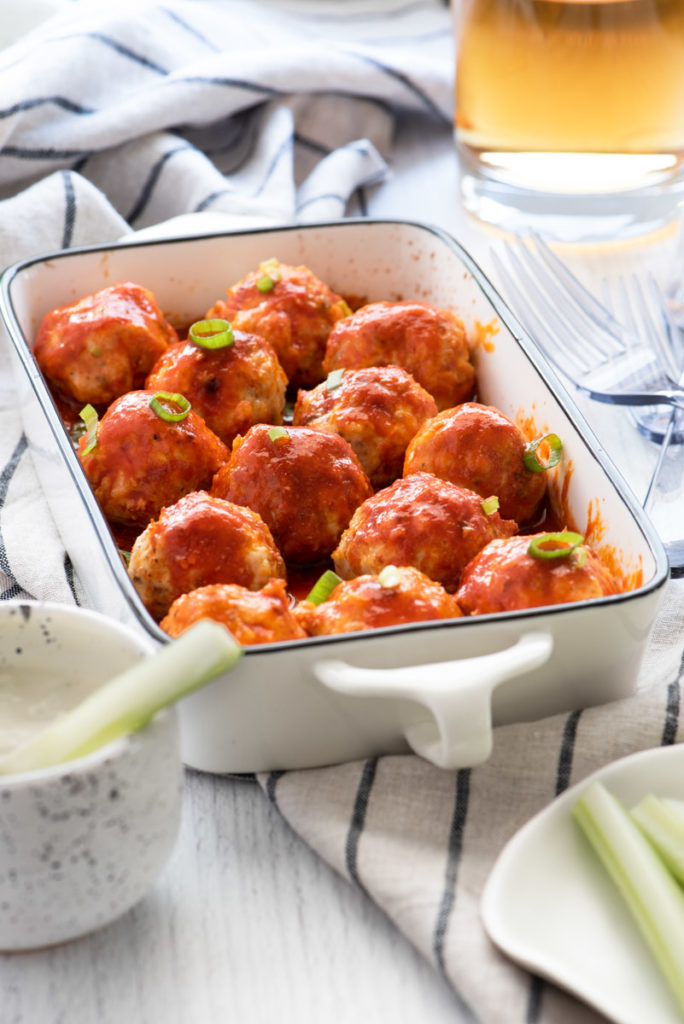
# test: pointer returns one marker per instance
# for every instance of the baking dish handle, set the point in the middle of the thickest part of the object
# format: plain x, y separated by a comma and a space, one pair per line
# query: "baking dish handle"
457, 694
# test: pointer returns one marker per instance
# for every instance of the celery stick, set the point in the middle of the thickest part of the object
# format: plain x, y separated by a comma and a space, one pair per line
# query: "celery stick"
128, 701
654, 898
662, 821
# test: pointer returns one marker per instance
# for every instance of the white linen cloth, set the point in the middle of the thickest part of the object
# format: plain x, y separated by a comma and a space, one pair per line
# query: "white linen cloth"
120, 119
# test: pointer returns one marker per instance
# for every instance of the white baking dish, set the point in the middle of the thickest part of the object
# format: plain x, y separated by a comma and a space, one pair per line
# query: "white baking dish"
331, 699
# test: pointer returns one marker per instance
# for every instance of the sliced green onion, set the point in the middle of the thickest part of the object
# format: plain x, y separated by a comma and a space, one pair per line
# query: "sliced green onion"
389, 577
580, 557
554, 545
130, 699
531, 457
490, 505
212, 333
272, 268
654, 898
334, 379
160, 405
90, 418
278, 434
345, 307
323, 587
265, 283
125, 556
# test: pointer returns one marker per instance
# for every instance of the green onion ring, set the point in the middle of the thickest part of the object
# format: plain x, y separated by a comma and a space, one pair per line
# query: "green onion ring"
157, 406
531, 458
334, 379
265, 283
212, 333
323, 587
278, 434
90, 418
490, 505
389, 577
566, 542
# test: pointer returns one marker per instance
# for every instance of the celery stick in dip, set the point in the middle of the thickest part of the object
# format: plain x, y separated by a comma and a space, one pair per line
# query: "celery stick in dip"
131, 699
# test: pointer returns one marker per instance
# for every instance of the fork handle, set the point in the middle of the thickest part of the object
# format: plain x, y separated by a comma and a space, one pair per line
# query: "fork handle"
674, 397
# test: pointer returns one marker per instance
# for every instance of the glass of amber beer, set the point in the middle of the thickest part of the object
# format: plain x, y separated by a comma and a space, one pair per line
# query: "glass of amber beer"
570, 114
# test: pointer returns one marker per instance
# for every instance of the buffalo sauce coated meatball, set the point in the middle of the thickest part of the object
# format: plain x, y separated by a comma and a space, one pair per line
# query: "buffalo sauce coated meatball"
252, 616
422, 521
197, 541
505, 576
292, 309
141, 462
305, 485
377, 410
428, 343
231, 387
103, 345
398, 595
476, 446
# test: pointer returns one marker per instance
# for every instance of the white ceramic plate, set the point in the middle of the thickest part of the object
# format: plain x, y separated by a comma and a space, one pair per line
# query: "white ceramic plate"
551, 907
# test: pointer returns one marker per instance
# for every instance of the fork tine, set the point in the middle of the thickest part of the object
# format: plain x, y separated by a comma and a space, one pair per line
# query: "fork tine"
533, 321
572, 303
590, 307
668, 338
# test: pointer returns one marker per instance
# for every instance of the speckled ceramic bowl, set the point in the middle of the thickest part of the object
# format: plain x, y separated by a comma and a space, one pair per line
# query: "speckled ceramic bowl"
83, 842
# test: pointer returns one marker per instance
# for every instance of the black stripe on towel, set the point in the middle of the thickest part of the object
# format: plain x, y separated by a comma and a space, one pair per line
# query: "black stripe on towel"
454, 850
120, 48
150, 182
69, 574
271, 784
358, 819
672, 709
411, 86
566, 752
190, 29
563, 773
40, 101
69, 210
15, 589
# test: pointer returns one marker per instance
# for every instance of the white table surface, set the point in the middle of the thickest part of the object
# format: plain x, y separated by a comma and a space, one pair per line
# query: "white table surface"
246, 923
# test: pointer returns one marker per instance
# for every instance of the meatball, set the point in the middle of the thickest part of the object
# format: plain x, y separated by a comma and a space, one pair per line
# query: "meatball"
377, 409
252, 616
397, 595
141, 462
292, 309
422, 521
476, 446
231, 388
305, 485
504, 576
105, 344
428, 343
197, 541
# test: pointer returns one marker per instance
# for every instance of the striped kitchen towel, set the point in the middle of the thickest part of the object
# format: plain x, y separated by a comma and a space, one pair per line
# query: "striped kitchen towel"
421, 842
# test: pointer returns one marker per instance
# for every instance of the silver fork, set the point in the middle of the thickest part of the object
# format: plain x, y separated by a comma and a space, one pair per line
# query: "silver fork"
582, 339
645, 356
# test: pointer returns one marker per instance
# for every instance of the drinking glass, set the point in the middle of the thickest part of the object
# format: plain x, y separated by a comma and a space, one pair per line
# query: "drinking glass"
570, 114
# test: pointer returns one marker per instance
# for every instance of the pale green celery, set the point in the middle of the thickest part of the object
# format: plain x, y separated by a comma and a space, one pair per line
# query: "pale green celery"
654, 898
661, 819
128, 701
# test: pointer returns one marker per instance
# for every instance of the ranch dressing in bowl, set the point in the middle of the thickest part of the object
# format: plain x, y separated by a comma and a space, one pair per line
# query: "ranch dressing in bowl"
32, 698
